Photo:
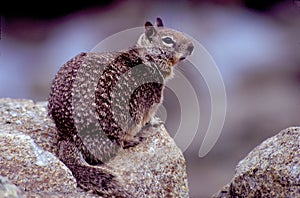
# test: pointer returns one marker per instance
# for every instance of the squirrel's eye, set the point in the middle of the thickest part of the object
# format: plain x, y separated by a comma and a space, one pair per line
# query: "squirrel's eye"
168, 40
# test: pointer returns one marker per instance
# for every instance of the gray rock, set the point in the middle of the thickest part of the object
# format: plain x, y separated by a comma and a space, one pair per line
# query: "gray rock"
28, 158
272, 169
7, 189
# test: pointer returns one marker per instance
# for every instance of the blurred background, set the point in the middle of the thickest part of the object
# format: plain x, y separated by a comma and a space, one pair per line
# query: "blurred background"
256, 45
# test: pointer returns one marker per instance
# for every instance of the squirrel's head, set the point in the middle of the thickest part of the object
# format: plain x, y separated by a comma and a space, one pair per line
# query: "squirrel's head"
165, 45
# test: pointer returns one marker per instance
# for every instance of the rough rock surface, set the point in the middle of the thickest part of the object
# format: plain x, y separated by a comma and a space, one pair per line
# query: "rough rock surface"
7, 189
28, 140
272, 169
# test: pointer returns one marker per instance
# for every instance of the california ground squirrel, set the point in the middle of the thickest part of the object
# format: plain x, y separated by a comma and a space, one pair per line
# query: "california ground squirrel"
101, 101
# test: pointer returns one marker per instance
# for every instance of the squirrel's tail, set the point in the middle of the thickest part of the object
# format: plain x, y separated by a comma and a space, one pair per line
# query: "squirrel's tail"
94, 178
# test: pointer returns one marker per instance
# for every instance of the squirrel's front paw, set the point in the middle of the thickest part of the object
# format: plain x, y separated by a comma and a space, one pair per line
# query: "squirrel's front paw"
133, 142
150, 128
154, 122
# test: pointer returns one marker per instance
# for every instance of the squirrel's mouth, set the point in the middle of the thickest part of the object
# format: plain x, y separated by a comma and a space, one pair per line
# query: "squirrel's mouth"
179, 58
182, 58
175, 61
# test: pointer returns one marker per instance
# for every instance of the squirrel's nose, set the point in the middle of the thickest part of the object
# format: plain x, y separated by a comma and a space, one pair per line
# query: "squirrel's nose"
190, 48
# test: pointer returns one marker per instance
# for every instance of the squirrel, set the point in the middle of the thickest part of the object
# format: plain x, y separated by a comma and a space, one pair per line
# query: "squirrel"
100, 102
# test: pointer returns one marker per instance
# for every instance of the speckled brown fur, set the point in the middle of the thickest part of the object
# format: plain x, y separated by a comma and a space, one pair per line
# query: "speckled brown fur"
101, 101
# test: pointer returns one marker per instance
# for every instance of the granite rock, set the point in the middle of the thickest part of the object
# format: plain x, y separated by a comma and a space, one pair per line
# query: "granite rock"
272, 169
7, 189
28, 158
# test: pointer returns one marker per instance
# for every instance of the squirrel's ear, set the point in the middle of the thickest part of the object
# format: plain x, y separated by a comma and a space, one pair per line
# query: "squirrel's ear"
159, 22
149, 30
